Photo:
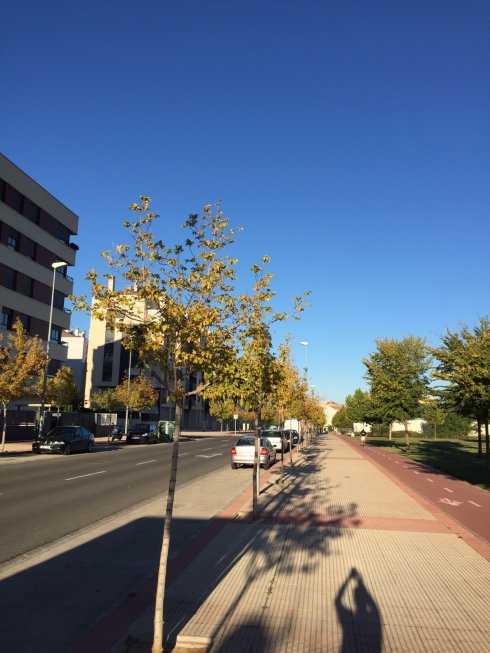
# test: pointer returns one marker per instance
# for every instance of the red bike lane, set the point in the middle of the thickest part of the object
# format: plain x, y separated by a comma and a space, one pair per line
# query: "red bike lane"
467, 504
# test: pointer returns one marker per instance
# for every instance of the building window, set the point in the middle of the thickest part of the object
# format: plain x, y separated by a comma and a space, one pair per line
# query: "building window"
25, 320
108, 361
55, 334
31, 210
25, 285
59, 300
8, 277
13, 240
13, 198
7, 318
28, 248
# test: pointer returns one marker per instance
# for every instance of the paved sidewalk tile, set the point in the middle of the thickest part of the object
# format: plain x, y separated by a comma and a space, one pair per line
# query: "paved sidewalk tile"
341, 561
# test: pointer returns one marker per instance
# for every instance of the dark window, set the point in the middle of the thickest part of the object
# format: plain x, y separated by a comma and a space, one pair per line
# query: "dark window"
108, 361
59, 300
25, 320
28, 248
53, 367
13, 239
63, 233
13, 198
2, 189
55, 334
7, 317
31, 210
25, 285
8, 277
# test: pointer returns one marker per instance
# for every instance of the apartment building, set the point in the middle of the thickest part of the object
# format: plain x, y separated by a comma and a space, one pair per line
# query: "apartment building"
108, 362
35, 231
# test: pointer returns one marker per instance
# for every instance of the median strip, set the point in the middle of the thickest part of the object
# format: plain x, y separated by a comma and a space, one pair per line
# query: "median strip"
72, 478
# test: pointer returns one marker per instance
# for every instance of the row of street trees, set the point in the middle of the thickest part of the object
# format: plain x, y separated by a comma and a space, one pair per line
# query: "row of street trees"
183, 314
22, 364
408, 379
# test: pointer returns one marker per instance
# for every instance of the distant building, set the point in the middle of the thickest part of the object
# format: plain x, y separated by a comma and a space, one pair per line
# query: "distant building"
35, 231
108, 362
330, 408
77, 345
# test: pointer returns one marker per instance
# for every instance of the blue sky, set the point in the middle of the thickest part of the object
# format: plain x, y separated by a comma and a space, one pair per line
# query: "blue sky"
350, 139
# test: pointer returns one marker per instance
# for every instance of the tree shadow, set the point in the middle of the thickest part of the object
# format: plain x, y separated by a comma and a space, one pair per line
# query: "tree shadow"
361, 623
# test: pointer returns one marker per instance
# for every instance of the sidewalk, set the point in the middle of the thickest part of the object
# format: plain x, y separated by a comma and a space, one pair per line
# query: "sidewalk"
342, 560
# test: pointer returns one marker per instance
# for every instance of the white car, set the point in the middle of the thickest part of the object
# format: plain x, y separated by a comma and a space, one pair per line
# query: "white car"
277, 439
243, 453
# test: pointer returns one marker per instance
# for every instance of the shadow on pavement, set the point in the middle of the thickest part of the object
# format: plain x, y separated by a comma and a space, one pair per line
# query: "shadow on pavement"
361, 623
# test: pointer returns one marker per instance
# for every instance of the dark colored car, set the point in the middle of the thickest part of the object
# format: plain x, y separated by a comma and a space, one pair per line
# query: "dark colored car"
288, 433
142, 434
66, 440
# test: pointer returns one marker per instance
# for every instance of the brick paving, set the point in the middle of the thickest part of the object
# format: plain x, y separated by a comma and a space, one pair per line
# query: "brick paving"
342, 560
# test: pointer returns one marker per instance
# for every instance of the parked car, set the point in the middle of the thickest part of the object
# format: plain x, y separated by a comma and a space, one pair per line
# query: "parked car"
142, 434
65, 439
243, 453
277, 439
288, 433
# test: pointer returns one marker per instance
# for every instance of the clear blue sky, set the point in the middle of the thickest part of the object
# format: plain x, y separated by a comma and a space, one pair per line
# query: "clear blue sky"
349, 138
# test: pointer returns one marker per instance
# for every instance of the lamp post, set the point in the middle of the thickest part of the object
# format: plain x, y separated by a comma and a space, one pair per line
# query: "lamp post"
55, 266
129, 388
305, 345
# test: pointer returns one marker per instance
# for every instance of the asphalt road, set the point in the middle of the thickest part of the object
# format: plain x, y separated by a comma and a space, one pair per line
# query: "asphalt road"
51, 496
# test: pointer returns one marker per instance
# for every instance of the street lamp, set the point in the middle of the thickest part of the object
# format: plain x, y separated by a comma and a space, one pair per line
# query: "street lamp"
305, 345
55, 266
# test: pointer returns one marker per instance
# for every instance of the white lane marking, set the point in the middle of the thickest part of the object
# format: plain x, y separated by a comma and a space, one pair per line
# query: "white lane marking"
448, 490
430, 480
474, 504
146, 462
396, 462
72, 478
416, 472
211, 455
450, 502
184, 454
208, 449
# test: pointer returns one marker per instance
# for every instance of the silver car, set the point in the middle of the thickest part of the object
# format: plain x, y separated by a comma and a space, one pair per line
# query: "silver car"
243, 453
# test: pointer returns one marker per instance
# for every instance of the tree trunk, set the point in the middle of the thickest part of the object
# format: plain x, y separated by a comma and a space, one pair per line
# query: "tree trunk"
255, 475
487, 443
157, 646
389, 430
4, 428
407, 435
480, 453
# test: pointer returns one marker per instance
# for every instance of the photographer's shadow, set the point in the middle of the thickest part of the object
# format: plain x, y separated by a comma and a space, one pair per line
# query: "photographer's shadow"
361, 625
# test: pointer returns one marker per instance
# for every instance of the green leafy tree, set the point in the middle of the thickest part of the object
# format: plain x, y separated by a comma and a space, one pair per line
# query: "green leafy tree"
397, 374
22, 360
62, 389
222, 409
434, 413
341, 420
104, 400
137, 395
463, 364
358, 406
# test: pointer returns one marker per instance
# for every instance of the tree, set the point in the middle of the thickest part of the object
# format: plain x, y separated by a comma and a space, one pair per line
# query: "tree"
397, 374
104, 400
222, 409
22, 360
177, 315
463, 364
136, 395
341, 420
62, 389
434, 413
